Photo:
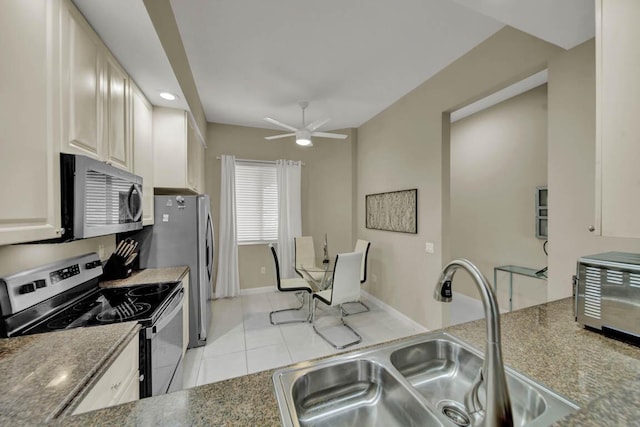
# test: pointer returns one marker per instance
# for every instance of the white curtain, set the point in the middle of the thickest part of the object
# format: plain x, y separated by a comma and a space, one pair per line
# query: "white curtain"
289, 213
227, 282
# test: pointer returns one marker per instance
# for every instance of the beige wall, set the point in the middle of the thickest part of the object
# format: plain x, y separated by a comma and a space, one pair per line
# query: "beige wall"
402, 147
572, 169
327, 189
15, 258
498, 158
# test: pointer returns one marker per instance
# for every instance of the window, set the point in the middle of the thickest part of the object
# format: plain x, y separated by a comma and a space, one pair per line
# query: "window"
256, 202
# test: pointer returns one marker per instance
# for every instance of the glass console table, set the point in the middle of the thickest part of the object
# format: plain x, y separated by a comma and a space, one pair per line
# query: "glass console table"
516, 269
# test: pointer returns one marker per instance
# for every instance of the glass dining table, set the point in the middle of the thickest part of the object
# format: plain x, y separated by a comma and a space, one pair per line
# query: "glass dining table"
319, 275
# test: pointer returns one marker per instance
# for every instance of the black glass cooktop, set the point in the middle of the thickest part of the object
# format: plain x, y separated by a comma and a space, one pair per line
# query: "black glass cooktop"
111, 305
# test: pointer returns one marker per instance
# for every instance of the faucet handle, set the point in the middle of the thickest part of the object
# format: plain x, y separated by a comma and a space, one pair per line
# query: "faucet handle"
471, 400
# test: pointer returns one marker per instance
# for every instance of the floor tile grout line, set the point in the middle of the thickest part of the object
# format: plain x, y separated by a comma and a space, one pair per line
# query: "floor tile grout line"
244, 334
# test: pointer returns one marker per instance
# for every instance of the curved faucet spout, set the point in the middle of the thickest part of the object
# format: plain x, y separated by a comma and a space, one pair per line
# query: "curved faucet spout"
498, 405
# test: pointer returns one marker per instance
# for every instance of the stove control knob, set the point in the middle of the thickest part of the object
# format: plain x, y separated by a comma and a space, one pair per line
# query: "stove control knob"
27, 288
91, 265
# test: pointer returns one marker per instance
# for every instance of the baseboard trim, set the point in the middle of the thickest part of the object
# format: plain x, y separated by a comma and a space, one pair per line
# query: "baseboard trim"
261, 290
387, 307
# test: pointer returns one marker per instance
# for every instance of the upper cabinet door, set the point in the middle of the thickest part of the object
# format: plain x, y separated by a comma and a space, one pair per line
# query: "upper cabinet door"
29, 121
142, 141
177, 152
193, 159
618, 118
82, 85
118, 150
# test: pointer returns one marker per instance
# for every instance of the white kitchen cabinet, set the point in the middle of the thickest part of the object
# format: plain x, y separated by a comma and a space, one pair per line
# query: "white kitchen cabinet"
95, 94
178, 152
118, 148
118, 384
617, 118
29, 121
82, 85
185, 314
142, 142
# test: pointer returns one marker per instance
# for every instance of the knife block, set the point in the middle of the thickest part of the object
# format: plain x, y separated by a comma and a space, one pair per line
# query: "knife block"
115, 268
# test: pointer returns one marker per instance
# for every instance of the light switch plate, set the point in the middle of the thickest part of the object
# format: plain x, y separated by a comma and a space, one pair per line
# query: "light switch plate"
429, 248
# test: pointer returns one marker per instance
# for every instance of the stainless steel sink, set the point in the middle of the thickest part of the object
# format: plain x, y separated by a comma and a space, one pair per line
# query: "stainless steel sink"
417, 381
352, 393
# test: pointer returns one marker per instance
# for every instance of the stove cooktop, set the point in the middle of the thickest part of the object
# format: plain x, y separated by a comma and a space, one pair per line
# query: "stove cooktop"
141, 303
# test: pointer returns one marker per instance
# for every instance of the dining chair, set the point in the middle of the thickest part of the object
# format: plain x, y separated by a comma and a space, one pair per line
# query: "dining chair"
305, 255
299, 286
346, 287
362, 246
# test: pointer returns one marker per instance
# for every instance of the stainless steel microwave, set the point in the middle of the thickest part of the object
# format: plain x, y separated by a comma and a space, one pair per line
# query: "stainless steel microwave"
607, 292
97, 198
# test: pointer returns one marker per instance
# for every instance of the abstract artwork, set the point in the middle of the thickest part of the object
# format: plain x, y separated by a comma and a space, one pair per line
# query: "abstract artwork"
393, 211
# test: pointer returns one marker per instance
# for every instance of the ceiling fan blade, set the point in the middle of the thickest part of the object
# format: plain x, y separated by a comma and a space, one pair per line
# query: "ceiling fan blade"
329, 135
277, 123
315, 125
284, 135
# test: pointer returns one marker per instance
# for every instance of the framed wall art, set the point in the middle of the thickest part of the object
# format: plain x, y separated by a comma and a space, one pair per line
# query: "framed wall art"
393, 211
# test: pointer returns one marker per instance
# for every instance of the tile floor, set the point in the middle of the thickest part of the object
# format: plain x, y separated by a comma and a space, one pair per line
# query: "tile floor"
242, 341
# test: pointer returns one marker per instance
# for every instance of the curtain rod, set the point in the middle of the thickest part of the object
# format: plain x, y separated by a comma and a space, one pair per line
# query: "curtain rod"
271, 162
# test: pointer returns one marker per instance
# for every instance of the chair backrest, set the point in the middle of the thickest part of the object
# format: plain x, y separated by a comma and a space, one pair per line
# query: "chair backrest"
363, 247
346, 278
304, 252
276, 263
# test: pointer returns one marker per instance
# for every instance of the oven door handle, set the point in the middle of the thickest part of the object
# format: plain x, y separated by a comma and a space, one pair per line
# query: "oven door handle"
174, 307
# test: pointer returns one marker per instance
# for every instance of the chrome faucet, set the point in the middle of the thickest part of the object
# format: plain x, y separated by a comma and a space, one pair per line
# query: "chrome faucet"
497, 408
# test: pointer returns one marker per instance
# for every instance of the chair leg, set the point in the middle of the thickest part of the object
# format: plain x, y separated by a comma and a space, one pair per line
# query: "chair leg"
324, 337
305, 320
364, 309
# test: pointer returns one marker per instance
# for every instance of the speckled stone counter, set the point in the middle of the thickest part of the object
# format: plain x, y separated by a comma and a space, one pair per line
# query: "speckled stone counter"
44, 374
149, 275
244, 401
543, 342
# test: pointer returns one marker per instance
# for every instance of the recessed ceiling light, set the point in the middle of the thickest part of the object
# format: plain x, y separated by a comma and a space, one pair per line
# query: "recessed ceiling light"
168, 96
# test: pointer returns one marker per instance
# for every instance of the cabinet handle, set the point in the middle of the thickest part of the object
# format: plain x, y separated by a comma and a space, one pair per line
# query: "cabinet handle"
592, 228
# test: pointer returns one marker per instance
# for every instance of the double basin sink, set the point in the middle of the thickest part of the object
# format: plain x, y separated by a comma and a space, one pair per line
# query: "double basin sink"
419, 381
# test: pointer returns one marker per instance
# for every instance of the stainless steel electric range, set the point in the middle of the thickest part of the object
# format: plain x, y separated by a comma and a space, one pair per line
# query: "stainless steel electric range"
66, 295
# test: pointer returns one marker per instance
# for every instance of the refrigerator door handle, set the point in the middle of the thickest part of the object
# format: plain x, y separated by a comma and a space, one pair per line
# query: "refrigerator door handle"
210, 249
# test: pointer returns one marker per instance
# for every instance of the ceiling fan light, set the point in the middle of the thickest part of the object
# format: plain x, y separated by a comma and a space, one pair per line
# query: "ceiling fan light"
303, 137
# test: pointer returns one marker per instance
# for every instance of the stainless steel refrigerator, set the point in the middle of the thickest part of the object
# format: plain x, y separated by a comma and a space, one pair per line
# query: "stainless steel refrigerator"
182, 234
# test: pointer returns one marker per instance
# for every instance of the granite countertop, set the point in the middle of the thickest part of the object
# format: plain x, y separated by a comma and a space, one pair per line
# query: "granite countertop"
43, 375
149, 275
542, 342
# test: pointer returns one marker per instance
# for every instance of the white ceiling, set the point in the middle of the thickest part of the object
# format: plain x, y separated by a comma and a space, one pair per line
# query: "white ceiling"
350, 59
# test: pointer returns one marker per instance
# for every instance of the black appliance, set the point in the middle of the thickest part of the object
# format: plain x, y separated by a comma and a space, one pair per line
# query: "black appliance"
65, 295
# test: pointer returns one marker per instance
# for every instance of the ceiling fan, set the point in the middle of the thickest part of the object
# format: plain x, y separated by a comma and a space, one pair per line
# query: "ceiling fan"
304, 134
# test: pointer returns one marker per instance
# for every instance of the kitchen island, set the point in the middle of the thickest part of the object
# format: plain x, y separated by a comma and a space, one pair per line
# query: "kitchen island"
600, 374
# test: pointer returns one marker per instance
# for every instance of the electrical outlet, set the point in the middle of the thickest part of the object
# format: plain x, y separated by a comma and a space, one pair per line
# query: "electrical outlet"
263, 270
101, 251
429, 248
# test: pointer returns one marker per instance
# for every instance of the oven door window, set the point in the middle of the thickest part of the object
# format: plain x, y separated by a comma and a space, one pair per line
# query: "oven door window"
166, 348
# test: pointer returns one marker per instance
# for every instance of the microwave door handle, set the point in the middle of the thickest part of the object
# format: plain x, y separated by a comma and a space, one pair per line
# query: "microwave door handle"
167, 318
134, 192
